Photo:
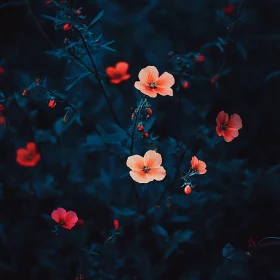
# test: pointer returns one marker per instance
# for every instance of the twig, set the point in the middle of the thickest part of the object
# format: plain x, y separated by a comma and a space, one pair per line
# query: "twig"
98, 78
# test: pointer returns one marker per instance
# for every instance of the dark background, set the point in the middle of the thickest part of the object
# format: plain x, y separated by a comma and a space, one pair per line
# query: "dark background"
236, 199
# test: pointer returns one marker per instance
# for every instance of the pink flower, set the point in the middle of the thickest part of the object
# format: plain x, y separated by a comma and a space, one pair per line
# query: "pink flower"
198, 166
151, 84
65, 219
228, 128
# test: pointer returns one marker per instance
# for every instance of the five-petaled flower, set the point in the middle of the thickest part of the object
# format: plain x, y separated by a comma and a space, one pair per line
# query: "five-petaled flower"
146, 169
118, 73
64, 219
198, 166
228, 127
151, 84
28, 157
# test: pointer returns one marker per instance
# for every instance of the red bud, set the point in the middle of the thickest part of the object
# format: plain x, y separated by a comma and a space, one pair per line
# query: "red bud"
185, 84
116, 225
52, 103
149, 111
67, 27
2, 108
25, 92
140, 127
146, 135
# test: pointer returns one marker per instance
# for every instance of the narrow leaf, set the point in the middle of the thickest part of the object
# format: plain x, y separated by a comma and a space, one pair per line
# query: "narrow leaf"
96, 18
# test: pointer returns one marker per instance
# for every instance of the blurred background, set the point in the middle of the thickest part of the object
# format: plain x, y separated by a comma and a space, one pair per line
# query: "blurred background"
236, 199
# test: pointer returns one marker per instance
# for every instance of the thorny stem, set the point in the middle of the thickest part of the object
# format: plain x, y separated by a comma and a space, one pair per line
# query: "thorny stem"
98, 78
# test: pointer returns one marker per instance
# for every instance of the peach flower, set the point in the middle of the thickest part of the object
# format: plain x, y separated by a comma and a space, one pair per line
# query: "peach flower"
118, 73
228, 128
151, 84
146, 169
198, 166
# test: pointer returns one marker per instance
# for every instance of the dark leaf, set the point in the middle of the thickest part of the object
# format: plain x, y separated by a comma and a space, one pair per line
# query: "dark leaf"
96, 18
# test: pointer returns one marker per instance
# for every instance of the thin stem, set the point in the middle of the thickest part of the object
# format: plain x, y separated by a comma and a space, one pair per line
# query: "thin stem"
132, 146
98, 78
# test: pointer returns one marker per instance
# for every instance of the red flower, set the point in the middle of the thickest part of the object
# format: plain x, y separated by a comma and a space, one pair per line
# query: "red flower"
78, 12
118, 73
52, 103
28, 157
187, 189
229, 9
2, 70
65, 219
198, 166
25, 92
228, 128
2, 108
67, 26
2, 120
116, 225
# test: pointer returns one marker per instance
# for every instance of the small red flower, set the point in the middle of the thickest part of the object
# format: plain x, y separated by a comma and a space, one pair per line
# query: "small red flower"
149, 111
37, 81
200, 58
140, 127
65, 219
25, 92
67, 26
145, 135
116, 225
228, 128
229, 9
118, 73
52, 103
78, 12
198, 166
2, 120
28, 157
187, 189
2, 70
2, 108
185, 84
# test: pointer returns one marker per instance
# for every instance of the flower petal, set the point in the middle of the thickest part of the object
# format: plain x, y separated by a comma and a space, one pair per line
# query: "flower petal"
164, 91
222, 118
125, 77
201, 168
230, 134
122, 67
69, 225
152, 159
145, 89
235, 122
135, 162
166, 80
219, 131
31, 147
148, 75
71, 217
115, 81
139, 176
59, 214
194, 162
157, 174
110, 71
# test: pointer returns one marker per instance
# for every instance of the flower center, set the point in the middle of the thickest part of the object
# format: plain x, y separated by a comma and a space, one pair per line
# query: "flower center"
153, 85
29, 157
146, 169
62, 223
118, 75
224, 127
